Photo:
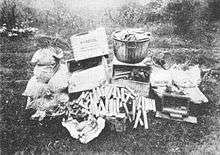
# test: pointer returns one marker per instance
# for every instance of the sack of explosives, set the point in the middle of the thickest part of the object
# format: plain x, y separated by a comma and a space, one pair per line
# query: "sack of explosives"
60, 79
45, 73
89, 135
160, 77
86, 130
187, 78
39, 114
46, 56
35, 88
61, 97
42, 104
48, 101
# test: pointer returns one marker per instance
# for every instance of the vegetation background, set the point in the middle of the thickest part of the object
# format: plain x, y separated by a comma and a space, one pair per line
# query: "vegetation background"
189, 29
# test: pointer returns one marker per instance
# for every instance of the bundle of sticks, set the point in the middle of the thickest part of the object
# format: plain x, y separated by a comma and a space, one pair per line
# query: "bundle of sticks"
142, 106
116, 101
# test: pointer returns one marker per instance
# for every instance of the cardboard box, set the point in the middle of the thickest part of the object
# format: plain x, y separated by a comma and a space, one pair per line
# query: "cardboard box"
87, 79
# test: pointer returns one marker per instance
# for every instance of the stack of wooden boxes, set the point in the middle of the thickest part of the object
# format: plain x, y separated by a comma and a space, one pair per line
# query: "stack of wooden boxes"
88, 63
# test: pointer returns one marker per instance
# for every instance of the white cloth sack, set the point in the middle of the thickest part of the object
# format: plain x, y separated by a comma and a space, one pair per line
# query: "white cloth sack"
44, 73
61, 97
160, 77
43, 104
187, 78
46, 56
35, 88
60, 79
85, 131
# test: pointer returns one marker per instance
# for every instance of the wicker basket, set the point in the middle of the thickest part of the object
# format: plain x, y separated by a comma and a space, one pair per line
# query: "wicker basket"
130, 52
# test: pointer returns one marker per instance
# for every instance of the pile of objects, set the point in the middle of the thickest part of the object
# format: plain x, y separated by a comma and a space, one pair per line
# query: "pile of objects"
80, 87
130, 35
178, 89
43, 91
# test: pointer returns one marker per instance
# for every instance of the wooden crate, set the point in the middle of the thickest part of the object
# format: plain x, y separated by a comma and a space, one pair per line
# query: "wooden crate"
89, 78
141, 88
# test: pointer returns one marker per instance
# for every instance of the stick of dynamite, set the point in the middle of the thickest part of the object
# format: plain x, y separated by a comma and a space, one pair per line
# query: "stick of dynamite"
134, 107
131, 91
126, 108
144, 113
137, 118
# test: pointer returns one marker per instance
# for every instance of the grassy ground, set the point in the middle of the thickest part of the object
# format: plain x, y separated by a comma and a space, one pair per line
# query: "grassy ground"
19, 133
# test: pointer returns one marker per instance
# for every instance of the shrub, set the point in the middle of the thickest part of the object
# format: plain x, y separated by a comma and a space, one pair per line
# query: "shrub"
16, 19
191, 19
128, 15
214, 9
59, 21
133, 14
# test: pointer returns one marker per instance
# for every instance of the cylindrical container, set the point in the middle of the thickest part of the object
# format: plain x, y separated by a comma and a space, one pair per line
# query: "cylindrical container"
130, 51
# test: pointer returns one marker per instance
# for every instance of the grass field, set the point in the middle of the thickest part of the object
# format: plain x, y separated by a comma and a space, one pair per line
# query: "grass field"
19, 133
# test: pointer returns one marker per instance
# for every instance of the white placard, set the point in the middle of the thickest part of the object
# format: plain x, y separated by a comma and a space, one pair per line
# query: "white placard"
89, 45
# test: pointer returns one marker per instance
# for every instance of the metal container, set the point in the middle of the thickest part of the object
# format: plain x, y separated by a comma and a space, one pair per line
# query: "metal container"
130, 51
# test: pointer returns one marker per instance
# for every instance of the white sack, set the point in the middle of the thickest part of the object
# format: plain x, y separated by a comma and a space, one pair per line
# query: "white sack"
195, 95
85, 131
160, 77
39, 114
35, 88
44, 73
45, 56
71, 126
187, 78
61, 97
43, 104
195, 74
92, 134
60, 79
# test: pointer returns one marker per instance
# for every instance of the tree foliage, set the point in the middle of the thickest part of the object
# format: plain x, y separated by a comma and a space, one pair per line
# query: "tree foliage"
15, 14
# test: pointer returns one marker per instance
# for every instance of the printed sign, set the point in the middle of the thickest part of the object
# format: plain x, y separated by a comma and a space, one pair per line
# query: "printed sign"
89, 45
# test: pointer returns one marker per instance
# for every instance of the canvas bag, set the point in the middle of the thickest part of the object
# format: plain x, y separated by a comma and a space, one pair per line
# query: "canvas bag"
35, 88
60, 79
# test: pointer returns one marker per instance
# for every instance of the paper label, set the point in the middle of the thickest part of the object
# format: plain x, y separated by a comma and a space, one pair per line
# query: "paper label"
89, 45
